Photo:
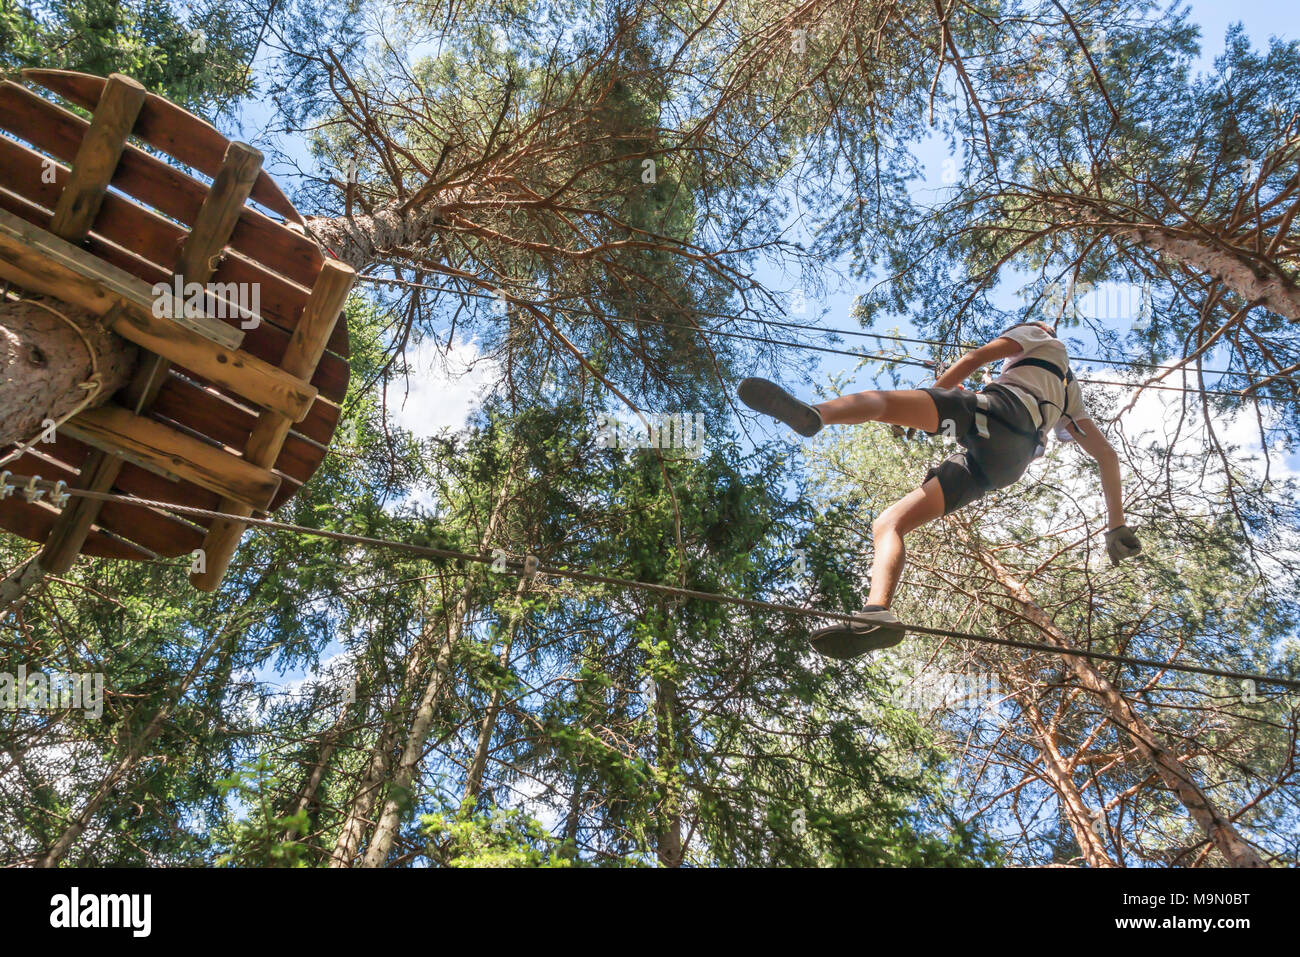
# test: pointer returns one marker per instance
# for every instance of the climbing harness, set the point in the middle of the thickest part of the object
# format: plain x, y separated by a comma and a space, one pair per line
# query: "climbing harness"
1039, 435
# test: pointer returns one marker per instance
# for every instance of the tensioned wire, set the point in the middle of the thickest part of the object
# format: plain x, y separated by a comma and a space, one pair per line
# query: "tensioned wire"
524, 566
883, 357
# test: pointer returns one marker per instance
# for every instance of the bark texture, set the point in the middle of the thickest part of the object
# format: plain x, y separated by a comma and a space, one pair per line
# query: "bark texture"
1058, 770
43, 362
402, 782
364, 238
1252, 279
410, 731
474, 779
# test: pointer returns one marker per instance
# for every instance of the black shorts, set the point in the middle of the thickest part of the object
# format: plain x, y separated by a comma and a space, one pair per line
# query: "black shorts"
987, 462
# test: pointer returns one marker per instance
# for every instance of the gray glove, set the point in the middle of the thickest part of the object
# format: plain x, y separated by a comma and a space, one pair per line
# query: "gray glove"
1121, 543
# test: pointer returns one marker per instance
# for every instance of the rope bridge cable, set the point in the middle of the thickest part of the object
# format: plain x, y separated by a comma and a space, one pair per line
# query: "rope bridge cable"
898, 360
929, 364
863, 333
527, 566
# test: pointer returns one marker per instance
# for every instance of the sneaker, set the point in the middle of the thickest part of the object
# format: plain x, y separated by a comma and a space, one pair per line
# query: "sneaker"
770, 399
872, 628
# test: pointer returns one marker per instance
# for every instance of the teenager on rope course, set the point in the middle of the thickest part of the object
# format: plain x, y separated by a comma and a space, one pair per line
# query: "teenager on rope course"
1002, 428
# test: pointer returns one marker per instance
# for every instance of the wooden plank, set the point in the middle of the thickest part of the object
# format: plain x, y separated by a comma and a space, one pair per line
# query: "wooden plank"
330, 383
147, 235
153, 181
35, 522
67, 452
218, 418
323, 309
65, 538
111, 427
66, 272
281, 301
168, 127
151, 236
223, 419
211, 413
201, 251
219, 214
152, 529
97, 157
245, 375
156, 531
159, 235
147, 486
328, 297
149, 464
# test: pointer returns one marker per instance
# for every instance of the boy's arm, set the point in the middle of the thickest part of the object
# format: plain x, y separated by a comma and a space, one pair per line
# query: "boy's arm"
1121, 543
959, 371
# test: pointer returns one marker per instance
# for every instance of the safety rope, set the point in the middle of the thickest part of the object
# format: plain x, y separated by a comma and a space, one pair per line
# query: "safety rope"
529, 566
850, 332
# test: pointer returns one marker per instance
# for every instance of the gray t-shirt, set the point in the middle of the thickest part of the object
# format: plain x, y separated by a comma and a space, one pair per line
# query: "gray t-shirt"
1031, 384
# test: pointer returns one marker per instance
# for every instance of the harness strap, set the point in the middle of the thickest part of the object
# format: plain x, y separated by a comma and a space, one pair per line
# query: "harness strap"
1037, 363
1066, 377
981, 419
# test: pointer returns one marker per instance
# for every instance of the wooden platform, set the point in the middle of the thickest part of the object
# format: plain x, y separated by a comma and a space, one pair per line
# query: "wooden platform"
228, 411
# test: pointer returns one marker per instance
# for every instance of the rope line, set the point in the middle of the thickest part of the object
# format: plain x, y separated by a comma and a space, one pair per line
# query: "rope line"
845, 332
930, 364
528, 566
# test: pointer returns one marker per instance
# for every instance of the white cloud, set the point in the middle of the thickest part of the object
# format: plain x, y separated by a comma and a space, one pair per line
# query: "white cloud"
1176, 419
440, 391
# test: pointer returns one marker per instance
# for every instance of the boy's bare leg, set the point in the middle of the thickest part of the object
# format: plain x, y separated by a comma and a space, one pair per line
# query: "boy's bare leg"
909, 513
910, 408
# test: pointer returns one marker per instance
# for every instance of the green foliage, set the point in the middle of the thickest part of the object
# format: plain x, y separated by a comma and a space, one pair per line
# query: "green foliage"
496, 838
261, 838
200, 61
556, 722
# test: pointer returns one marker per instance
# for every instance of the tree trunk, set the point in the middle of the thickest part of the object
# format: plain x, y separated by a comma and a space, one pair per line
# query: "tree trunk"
350, 837
669, 809
221, 645
362, 239
1057, 772
1243, 275
45, 361
402, 786
78, 824
18, 582
328, 744
573, 816
474, 779
354, 827
1216, 825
